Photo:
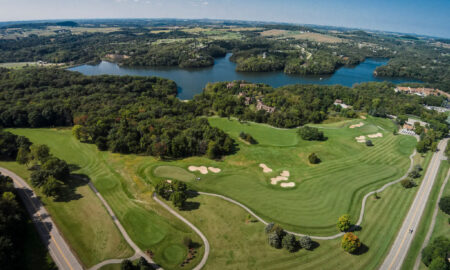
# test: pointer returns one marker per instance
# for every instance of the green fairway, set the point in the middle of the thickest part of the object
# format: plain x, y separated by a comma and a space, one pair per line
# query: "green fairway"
322, 192
148, 224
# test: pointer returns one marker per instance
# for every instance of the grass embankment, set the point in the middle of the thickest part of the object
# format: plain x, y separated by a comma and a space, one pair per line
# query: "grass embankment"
83, 221
149, 225
323, 192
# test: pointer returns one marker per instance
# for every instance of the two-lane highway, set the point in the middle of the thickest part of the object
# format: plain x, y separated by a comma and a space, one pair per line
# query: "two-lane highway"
406, 234
62, 255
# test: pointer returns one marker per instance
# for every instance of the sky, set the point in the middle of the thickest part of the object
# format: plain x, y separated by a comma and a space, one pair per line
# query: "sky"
428, 17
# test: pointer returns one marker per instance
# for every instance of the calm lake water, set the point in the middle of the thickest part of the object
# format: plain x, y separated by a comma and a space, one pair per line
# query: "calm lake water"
192, 81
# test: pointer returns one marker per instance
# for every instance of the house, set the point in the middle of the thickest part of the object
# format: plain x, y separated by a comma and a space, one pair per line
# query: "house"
261, 106
339, 102
230, 85
423, 92
408, 126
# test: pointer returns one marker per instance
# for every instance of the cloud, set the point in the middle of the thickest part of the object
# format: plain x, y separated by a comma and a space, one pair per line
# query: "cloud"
199, 3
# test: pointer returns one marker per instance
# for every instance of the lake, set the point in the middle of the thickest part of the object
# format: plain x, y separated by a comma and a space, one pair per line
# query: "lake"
192, 81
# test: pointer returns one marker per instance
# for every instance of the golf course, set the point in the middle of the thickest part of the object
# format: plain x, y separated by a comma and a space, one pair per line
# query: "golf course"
321, 193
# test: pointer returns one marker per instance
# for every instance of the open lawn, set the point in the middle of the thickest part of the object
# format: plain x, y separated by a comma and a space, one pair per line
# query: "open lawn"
322, 192
148, 224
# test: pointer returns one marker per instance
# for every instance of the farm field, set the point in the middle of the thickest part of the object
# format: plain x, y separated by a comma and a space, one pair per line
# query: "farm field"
311, 36
322, 192
149, 225
441, 227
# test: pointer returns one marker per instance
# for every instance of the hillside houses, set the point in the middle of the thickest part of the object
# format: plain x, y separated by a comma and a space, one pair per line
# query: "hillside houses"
423, 92
259, 104
339, 102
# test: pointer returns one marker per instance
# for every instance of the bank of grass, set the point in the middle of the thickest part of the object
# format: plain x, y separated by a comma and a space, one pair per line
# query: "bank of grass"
425, 222
322, 193
148, 224
83, 221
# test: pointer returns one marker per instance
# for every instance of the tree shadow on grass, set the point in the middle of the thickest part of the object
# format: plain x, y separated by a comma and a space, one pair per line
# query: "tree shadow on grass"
314, 245
189, 206
361, 250
68, 191
192, 194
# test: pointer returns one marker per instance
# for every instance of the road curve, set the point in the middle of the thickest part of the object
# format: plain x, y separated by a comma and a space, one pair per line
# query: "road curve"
202, 236
361, 215
60, 251
433, 222
401, 245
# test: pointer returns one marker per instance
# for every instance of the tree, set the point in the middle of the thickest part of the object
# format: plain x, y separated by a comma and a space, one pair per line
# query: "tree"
38, 178
414, 174
274, 240
369, 143
313, 158
57, 168
407, 183
213, 150
350, 242
23, 156
40, 152
421, 147
311, 134
143, 264
51, 187
80, 133
178, 199
306, 242
444, 204
439, 248
289, 242
269, 227
439, 263
344, 223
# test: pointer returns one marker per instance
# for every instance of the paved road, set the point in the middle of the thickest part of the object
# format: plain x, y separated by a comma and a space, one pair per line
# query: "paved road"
62, 255
433, 222
361, 215
202, 236
405, 236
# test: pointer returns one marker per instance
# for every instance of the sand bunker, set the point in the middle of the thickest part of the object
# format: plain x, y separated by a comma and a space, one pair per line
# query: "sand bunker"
285, 185
361, 139
169, 181
285, 174
201, 169
214, 170
277, 179
357, 125
376, 135
363, 117
265, 168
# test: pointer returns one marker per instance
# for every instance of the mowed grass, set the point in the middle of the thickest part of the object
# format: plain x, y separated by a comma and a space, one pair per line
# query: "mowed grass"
148, 224
441, 227
83, 221
236, 244
323, 192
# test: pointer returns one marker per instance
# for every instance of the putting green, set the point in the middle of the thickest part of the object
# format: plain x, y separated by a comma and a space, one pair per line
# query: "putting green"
174, 172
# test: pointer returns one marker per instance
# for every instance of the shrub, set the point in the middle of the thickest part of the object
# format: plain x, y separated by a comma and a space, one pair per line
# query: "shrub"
350, 242
414, 174
344, 223
407, 183
369, 143
289, 242
269, 227
313, 158
444, 204
311, 134
306, 242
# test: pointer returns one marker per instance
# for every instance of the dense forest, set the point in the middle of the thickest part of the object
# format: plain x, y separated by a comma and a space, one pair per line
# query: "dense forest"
122, 114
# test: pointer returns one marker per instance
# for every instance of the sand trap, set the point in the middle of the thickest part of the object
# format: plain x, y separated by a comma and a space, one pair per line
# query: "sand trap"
214, 170
363, 117
361, 139
277, 179
265, 168
285, 185
357, 125
201, 169
376, 135
169, 181
285, 174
